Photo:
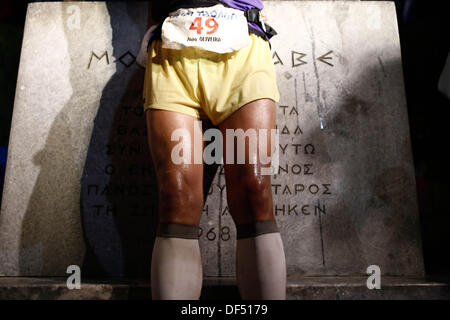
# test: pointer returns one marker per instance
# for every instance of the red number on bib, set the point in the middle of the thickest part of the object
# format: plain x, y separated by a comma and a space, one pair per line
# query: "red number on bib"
197, 25
214, 26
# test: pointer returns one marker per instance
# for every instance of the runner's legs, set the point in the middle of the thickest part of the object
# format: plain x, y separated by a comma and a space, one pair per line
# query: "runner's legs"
260, 260
176, 262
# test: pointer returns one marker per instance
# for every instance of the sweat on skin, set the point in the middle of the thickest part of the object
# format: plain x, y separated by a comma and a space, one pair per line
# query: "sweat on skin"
212, 154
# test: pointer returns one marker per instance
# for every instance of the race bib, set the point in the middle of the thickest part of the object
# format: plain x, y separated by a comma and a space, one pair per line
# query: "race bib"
216, 28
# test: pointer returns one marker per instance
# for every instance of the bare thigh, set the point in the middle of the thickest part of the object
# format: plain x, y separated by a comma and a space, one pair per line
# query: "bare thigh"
180, 194
249, 193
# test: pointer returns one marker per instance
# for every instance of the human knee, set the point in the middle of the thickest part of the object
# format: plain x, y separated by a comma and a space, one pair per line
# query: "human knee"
252, 201
257, 190
179, 193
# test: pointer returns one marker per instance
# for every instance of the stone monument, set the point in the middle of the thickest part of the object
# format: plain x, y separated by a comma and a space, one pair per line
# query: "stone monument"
80, 187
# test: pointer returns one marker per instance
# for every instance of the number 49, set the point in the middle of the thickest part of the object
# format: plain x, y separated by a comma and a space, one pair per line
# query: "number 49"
209, 23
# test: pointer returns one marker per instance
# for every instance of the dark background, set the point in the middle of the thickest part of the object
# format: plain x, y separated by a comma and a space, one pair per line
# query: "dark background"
425, 44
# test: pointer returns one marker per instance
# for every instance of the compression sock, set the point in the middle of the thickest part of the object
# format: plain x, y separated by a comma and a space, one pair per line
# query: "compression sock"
176, 272
260, 261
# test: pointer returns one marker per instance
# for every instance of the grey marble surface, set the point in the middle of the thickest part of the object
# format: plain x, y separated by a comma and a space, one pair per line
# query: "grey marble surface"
75, 195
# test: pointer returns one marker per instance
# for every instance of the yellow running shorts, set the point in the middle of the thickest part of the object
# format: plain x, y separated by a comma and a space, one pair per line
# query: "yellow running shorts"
205, 84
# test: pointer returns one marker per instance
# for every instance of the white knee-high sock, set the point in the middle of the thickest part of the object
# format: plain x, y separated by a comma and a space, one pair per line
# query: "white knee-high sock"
176, 272
260, 264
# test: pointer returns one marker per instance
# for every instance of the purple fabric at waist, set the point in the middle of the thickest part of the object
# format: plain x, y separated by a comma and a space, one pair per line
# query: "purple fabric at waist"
244, 4
257, 28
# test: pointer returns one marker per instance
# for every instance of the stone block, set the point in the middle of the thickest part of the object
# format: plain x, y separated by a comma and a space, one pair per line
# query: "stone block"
80, 187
